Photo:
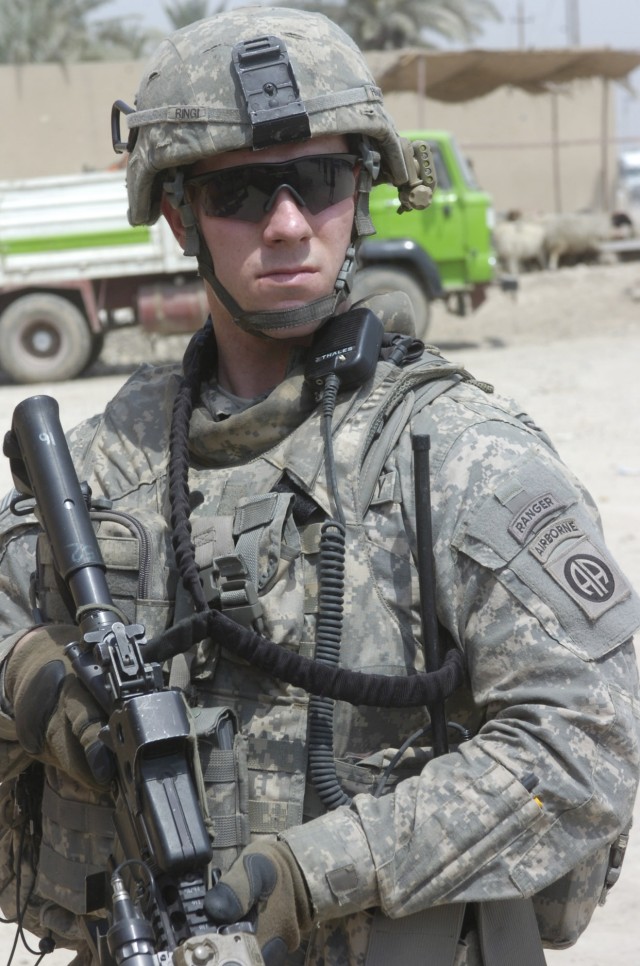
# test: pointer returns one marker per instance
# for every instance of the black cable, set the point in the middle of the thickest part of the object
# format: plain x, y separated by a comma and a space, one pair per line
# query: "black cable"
329, 396
315, 677
386, 774
355, 687
198, 359
465, 735
46, 945
322, 762
321, 677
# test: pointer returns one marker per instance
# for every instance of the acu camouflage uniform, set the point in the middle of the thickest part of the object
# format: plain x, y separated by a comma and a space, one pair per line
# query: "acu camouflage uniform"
525, 588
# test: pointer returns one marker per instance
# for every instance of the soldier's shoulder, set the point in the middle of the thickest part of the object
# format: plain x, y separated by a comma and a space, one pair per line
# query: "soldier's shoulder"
127, 443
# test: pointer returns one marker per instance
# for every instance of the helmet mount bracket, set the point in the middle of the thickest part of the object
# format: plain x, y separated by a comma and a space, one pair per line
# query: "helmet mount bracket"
266, 78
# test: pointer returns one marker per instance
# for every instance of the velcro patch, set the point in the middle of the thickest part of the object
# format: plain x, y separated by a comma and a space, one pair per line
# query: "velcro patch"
589, 577
530, 517
550, 538
187, 113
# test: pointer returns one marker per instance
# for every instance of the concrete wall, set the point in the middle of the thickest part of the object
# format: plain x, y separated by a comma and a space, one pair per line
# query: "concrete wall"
56, 120
509, 137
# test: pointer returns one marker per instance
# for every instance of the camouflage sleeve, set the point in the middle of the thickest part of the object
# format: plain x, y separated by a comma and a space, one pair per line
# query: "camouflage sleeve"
545, 618
17, 564
18, 536
116, 468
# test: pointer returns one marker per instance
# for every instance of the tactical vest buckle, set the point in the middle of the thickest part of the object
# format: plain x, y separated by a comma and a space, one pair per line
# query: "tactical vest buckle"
238, 595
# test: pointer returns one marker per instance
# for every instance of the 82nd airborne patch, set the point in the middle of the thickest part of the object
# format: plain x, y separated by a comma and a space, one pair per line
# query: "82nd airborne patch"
589, 577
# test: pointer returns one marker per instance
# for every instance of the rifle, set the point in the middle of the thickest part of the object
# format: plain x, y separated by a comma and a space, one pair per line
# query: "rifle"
155, 912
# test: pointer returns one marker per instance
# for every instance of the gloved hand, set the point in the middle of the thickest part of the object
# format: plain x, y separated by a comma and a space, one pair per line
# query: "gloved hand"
57, 720
265, 881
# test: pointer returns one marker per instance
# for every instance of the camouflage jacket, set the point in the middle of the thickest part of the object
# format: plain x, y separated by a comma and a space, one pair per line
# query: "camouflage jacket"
525, 588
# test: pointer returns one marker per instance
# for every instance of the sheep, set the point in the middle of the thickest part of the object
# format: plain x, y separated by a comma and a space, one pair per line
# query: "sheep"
519, 242
545, 239
574, 235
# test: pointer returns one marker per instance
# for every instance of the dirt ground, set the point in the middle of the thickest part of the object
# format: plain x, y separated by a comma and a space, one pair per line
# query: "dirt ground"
567, 346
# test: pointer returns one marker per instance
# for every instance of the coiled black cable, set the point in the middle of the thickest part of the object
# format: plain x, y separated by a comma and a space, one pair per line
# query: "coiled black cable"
321, 677
322, 763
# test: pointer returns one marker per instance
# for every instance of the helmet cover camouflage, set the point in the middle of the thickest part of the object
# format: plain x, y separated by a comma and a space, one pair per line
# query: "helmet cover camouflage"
190, 104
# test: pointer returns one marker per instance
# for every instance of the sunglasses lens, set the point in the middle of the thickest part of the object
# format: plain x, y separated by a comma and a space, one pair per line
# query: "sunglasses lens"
227, 194
247, 192
328, 181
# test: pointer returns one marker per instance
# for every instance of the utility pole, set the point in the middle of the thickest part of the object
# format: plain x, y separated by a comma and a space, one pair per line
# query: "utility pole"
572, 8
521, 20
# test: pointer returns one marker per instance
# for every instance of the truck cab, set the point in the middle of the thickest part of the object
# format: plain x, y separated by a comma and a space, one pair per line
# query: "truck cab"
443, 252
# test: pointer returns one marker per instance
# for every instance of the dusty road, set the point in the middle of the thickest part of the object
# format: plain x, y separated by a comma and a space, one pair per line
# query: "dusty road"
568, 348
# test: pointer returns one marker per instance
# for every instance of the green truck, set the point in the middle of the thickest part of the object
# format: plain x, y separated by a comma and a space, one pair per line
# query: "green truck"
71, 267
444, 252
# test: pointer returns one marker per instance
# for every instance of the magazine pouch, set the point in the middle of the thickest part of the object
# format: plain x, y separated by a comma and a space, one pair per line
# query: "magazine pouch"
137, 554
223, 760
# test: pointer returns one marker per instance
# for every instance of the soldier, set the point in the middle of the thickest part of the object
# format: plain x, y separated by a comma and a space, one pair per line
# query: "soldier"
258, 135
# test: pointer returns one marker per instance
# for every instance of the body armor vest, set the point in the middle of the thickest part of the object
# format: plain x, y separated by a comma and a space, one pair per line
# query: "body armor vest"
256, 503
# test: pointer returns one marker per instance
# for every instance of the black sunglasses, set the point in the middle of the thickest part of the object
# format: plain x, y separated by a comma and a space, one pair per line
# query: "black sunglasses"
248, 192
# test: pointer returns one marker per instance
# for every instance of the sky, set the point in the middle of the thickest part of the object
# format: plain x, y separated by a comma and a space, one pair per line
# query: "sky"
528, 23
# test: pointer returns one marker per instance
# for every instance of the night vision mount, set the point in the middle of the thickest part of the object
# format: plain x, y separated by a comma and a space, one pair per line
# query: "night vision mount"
266, 78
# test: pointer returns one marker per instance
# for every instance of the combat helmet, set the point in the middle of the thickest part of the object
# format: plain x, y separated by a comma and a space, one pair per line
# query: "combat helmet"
250, 78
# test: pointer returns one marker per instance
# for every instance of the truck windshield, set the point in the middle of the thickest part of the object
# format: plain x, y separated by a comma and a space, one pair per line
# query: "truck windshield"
443, 181
465, 167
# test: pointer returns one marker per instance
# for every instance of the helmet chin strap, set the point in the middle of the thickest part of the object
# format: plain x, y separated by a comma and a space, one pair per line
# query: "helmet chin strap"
261, 323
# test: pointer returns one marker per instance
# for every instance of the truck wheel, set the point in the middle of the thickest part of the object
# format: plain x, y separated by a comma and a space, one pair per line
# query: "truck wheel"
44, 338
377, 281
97, 345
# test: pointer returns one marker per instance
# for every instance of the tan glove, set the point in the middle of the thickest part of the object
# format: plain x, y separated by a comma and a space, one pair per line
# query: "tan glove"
265, 882
57, 721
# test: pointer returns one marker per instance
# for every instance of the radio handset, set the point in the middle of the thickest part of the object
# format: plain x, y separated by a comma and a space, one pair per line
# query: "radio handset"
347, 347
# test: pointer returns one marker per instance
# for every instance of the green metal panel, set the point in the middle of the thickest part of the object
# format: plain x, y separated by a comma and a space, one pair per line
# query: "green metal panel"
59, 243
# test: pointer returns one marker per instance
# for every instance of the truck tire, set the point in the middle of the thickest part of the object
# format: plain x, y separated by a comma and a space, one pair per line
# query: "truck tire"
44, 338
377, 281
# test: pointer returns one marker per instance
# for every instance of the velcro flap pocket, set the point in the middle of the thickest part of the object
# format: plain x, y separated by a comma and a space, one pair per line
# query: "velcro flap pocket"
535, 533
265, 535
138, 574
223, 760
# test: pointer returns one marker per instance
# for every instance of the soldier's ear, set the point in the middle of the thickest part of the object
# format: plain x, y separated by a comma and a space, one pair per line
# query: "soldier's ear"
174, 220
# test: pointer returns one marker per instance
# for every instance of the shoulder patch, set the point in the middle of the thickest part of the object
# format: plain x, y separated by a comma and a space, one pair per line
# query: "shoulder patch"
589, 577
534, 530
531, 516
555, 533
